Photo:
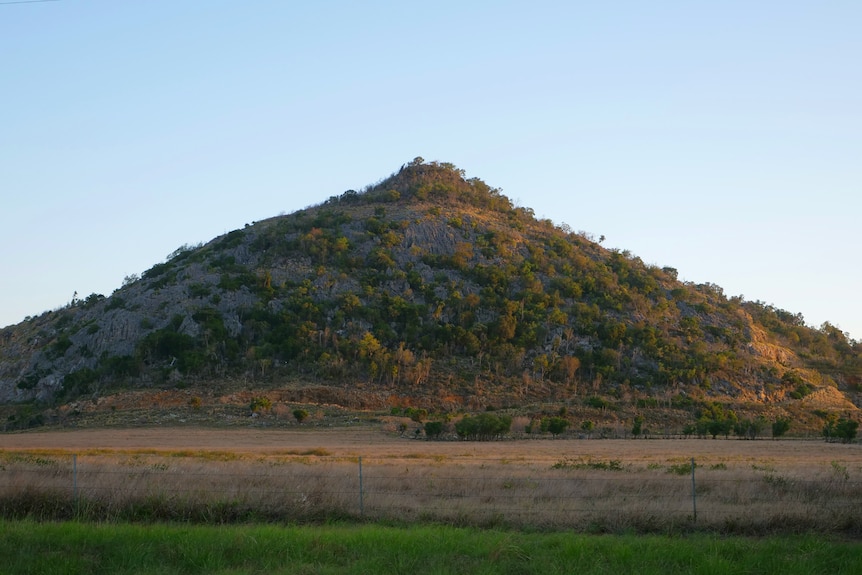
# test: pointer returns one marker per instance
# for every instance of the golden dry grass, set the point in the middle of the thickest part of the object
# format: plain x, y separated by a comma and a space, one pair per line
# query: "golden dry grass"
614, 485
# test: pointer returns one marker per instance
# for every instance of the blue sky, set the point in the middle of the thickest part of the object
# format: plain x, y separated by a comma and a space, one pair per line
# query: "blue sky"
723, 139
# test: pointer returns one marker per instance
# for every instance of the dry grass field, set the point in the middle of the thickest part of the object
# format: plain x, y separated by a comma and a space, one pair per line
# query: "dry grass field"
199, 474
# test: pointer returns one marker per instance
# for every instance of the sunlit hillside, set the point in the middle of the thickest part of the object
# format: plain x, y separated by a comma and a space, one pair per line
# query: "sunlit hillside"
433, 291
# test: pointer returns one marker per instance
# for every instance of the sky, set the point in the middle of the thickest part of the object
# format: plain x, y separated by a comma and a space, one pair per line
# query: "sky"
723, 139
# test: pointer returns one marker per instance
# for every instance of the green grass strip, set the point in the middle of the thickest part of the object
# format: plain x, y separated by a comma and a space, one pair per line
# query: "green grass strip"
116, 549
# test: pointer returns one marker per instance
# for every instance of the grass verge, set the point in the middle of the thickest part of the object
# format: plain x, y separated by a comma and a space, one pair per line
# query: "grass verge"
117, 548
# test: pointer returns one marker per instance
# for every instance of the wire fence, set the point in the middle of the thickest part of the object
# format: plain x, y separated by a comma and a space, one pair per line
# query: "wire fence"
578, 494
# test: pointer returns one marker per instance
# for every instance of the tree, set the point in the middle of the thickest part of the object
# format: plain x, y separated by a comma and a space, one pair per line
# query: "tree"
716, 420
556, 425
844, 429
749, 428
637, 428
433, 429
570, 365
483, 427
779, 427
847, 429
718, 427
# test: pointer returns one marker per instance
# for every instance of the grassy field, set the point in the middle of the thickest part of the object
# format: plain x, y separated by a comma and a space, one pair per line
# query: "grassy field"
198, 475
196, 500
116, 549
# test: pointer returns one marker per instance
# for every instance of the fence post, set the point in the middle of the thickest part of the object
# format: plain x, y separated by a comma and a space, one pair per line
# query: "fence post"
75, 482
693, 492
361, 493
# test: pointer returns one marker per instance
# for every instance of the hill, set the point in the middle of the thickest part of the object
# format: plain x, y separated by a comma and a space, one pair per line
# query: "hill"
432, 290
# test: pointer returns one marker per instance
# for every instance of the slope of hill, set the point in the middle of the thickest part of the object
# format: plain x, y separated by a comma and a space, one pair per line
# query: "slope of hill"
432, 290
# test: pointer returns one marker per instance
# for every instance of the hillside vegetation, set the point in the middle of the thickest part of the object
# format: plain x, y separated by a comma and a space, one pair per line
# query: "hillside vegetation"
432, 290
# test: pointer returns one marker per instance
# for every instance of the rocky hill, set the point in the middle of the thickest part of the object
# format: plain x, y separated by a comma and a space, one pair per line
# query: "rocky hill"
432, 290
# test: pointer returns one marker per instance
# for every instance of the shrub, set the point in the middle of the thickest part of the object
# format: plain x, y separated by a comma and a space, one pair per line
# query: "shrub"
483, 427
198, 290
780, 427
433, 429
598, 402
840, 471
843, 429
59, 347
791, 377
79, 382
168, 344
156, 270
92, 300
415, 414
260, 403
589, 463
680, 469
300, 415
802, 390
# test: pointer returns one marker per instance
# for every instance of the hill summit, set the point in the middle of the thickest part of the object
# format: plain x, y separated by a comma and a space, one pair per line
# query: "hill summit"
433, 290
